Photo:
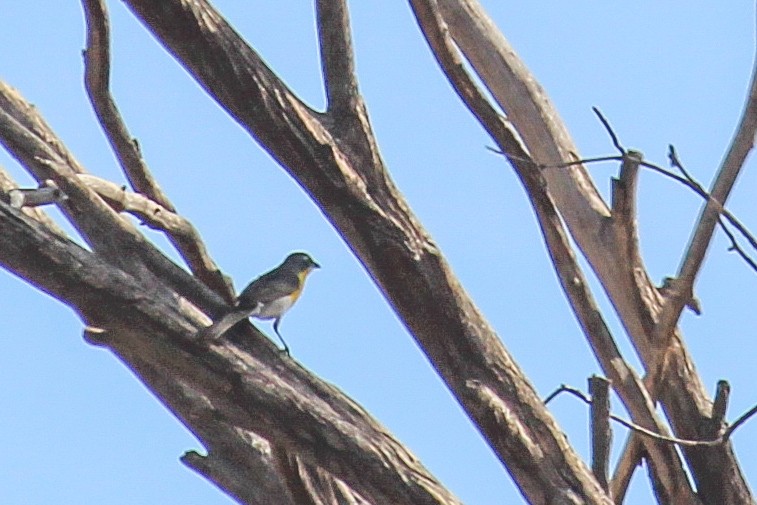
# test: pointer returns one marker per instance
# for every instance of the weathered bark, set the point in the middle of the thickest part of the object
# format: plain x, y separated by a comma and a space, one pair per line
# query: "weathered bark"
634, 296
247, 386
674, 486
271, 428
335, 158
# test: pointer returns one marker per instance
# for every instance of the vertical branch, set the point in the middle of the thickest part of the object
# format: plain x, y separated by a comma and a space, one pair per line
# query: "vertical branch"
337, 59
601, 434
720, 405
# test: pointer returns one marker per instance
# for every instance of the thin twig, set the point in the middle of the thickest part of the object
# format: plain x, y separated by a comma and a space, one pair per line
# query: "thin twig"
686, 180
676, 162
554, 165
735, 245
738, 422
564, 388
610, 131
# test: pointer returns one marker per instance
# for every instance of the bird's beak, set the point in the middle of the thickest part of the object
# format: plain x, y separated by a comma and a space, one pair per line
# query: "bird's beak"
315, 265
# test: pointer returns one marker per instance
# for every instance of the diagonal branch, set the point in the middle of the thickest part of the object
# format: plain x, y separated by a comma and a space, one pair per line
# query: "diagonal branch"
682, 393
245, 385
113, 238
741, 145
147, 210
629, 387
343, 172
97, 80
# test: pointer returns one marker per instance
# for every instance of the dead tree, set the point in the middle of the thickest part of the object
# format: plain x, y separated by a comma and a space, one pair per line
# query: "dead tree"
273, 429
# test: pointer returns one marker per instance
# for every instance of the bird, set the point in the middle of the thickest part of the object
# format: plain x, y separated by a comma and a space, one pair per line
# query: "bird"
267, 297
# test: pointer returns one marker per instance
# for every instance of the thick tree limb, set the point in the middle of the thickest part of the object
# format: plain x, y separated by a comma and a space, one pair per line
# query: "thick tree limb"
247, 385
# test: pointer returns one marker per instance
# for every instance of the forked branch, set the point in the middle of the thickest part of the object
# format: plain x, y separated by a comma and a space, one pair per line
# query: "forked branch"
741, 145
570, 275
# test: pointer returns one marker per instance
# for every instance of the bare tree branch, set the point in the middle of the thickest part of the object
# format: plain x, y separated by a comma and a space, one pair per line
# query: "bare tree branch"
719, 440
46, 158
7, 185
246, 385
354, 191
741, 145
610, 131
337, 58
736, 247
46, 194
571, 278
633, 452
682, 287
179, 229
694, 185
720, 404
683, 396
237, 394
601, 434
97, 80
147, 210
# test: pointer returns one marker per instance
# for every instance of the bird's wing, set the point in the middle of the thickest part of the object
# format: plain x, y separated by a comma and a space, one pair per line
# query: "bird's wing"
223, 325
267, 288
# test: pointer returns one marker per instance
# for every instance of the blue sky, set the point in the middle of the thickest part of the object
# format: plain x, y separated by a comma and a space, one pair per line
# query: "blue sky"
79, 428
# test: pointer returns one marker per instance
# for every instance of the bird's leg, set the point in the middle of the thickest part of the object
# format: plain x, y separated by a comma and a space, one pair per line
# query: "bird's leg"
276, 329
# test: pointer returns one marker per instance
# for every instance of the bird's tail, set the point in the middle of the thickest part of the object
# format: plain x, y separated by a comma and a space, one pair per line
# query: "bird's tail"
218, 328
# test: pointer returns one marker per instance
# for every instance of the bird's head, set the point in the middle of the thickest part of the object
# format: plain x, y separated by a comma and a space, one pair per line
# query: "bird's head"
301, 262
